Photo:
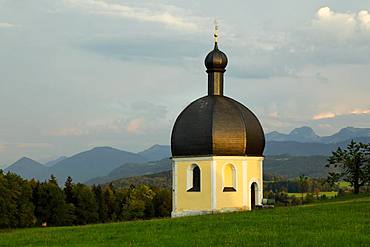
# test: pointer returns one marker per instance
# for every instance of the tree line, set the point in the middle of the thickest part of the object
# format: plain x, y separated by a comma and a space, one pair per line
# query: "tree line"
26, 203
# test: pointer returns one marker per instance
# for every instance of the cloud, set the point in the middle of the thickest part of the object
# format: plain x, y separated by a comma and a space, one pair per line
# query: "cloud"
145, 48
360, 111
2, 147
134, 125
34, 145
324, 115
364, 19
6, 25
328, 115
138, 117
69, 131
168, 15
273, 114
341, 25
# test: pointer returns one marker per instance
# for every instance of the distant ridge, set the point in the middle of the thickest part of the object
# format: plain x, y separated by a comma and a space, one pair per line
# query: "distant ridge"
156, 152
282, 165
307, 135
102, 164
133, 169
29, 169
92, 163
53, 162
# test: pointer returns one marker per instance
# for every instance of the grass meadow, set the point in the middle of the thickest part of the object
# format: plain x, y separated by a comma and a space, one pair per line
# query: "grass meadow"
328, 194
335, 222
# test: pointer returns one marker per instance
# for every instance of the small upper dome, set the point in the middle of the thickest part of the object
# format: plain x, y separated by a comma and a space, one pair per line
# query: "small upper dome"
216, 60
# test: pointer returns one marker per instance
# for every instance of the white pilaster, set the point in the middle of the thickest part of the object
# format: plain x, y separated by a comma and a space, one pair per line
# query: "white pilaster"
261, 193
174, 186
245, 183
213, 185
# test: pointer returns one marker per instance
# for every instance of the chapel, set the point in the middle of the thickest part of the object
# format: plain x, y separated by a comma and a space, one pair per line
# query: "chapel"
217, 150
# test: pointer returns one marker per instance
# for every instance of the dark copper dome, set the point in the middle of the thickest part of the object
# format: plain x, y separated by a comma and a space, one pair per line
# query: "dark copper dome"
216, 124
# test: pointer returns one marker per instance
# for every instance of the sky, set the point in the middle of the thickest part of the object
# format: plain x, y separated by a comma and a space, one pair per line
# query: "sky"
76, 74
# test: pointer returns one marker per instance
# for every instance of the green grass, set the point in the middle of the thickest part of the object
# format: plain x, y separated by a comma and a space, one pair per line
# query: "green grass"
336, 222
328, 194
344, 185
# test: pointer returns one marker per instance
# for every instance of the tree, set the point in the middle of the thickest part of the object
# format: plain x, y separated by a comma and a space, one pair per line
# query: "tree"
303, 185
16, 208
138, 203
351, 165
68, 190
100, 201
50, 206
85, 205
162, 203
111, 202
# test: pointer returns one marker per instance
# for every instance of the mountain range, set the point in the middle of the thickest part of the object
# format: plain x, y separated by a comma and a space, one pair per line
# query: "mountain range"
307, 135
104, 164
283, 165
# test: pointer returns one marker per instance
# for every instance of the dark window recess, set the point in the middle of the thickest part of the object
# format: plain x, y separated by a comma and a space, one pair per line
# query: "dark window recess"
229, 189
196, 179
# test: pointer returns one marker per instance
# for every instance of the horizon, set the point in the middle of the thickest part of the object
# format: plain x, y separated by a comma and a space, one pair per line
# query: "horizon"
44, 161
78, 74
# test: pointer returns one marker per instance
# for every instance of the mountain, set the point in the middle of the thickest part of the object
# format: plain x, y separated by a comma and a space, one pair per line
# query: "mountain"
306, 149
103, 164
302, 134
307, 135
133, 169
347, 133
92, 163
294, 166
28, 168
156, 152
53, 162
161, 180
281, 165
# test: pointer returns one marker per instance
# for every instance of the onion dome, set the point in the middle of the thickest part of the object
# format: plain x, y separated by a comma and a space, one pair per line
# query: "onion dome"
216, 125
216, 60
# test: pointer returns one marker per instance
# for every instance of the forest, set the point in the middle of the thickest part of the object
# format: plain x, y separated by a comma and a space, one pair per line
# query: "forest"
26, 203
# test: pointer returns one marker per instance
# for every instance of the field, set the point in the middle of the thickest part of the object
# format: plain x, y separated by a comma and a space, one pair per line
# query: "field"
328, 194
335, 222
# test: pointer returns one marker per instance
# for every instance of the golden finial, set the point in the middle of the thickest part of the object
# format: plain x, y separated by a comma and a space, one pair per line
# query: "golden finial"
215, 34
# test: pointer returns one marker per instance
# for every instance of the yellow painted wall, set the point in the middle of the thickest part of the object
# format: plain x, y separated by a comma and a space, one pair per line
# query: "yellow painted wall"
229, 199
254, 169
193, 200
201, 201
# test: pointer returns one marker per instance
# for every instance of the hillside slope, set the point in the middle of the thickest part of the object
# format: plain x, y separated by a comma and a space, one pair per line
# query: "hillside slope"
157, 173
343, 222
29, 169
133, 169
94, 162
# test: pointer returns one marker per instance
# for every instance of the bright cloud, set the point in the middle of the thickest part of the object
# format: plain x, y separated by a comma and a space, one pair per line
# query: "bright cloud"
364, 19
324, 115
328, 115
163, 15
360, 111
342, 25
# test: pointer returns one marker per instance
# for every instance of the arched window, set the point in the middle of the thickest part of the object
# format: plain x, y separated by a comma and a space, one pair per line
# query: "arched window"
229, 178
194, 178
